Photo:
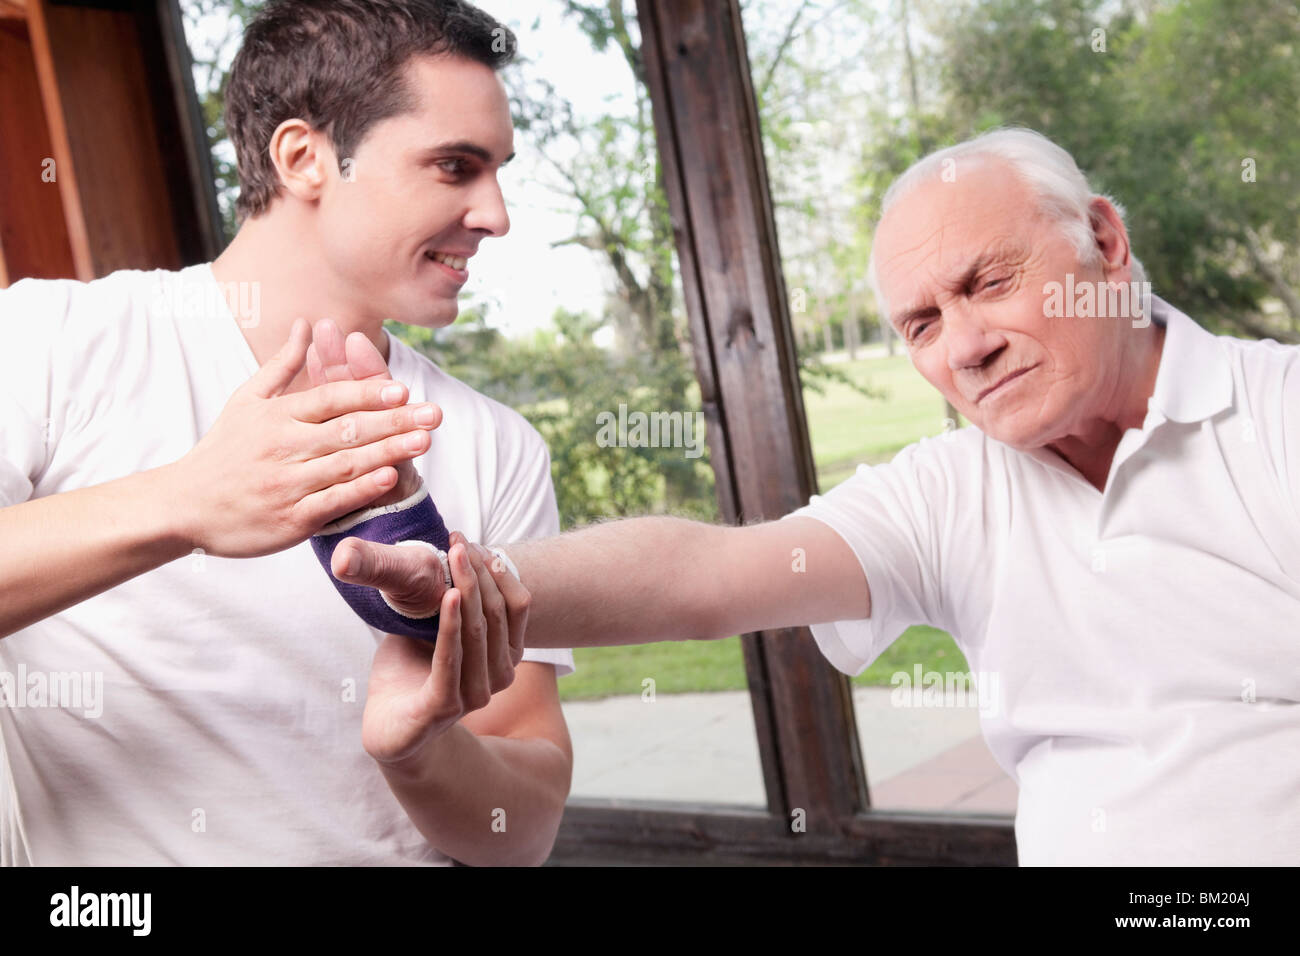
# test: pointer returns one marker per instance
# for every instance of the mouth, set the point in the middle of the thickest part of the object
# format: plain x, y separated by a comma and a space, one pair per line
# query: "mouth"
1005, 379
455, 266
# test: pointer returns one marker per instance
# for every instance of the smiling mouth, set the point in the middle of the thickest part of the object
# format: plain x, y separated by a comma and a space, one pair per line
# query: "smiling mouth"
1009, 378
458, 263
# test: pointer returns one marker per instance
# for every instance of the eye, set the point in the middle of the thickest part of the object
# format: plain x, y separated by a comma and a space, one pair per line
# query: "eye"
993, 282
917, 329
454, 167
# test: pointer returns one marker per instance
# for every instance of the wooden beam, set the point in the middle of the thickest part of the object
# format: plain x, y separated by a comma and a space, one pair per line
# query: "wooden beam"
600, 832
200, 229
716, 179
33, 227
61, 146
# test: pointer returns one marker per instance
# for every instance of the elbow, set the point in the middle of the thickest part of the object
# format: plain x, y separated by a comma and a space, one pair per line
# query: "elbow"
532, 848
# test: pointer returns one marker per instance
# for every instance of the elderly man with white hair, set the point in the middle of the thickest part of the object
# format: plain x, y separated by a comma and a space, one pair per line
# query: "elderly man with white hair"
1116, 537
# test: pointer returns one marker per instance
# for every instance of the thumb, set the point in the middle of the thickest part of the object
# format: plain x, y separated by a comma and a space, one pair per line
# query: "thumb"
410, 577
283, 367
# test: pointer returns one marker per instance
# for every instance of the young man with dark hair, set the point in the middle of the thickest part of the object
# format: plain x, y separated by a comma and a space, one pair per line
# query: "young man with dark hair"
169, 441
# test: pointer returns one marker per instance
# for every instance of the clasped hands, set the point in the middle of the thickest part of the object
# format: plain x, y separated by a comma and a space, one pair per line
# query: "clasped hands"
419, 690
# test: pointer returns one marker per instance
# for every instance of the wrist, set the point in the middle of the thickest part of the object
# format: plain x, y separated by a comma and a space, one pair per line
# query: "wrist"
165, 514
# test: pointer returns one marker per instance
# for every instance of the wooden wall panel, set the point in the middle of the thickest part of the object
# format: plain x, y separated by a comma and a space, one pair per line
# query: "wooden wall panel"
100, 70
33, 232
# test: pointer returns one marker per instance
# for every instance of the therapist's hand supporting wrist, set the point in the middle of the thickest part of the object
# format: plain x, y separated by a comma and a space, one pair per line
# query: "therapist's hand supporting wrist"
419, 692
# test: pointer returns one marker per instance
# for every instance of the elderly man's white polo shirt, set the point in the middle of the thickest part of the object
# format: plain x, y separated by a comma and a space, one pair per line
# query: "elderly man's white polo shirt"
1143, 643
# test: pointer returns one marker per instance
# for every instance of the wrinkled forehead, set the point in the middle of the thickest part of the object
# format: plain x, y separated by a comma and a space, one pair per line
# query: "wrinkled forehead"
936, 230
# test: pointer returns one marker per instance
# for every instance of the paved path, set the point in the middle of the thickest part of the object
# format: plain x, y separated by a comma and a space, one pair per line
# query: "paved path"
702, 748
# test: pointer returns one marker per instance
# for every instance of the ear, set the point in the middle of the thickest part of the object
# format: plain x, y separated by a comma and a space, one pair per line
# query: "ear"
299, 155
1112, 239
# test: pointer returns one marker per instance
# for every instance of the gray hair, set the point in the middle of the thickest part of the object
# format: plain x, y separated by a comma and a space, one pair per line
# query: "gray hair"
1062, 191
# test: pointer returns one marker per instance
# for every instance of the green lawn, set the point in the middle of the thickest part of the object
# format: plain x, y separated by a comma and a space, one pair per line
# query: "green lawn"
847, 429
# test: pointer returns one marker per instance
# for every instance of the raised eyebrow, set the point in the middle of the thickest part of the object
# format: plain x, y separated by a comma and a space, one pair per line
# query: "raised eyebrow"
985, 259
980, 263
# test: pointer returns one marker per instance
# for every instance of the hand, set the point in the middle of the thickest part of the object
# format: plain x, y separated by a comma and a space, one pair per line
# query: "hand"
416, 691
331, 358
275, 468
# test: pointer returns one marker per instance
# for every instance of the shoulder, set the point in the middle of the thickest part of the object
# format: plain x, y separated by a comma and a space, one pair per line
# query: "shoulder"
952, 458
926, 475
59, 305
1266, 375
1259, 355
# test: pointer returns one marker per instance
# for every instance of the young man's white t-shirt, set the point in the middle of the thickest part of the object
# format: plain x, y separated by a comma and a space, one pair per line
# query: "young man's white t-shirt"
230, 691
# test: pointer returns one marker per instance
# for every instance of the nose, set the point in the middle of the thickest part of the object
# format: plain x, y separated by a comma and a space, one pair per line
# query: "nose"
969, 343
488, 211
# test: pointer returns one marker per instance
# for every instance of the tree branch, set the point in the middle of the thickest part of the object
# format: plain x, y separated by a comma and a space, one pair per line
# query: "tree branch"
770, 72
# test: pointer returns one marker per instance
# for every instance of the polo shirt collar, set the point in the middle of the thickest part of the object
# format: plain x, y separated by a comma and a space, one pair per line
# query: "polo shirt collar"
1194, 381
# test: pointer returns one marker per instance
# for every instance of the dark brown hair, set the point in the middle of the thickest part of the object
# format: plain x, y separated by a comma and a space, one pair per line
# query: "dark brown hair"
338, 66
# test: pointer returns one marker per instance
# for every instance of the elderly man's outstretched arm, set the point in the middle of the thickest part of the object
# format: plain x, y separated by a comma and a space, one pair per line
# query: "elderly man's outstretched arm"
658, 578
650, 579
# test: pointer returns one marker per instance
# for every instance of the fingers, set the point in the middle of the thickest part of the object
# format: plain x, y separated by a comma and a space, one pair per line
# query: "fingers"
517, 600
363, 428
315, 370
475, 685
343, 360
334, 399
411, 577
349, 463
500, 665
448, 657
363, 359
327, 340
283, 367
319, 508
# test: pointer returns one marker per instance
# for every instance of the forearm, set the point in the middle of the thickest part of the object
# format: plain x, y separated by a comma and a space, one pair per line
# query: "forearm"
59, 551
634, 581
657, 579
485, 801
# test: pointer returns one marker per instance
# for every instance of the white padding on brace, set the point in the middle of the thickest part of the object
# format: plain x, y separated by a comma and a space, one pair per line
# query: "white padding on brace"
350, 521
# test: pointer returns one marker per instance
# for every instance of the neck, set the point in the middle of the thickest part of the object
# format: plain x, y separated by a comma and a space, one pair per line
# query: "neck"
270, 257
1090, 447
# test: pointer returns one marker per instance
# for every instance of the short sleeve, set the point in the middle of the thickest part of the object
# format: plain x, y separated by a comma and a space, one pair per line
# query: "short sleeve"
895, 518
31, 312
525, 508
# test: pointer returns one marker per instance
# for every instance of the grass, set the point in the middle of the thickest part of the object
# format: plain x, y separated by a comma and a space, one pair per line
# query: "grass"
847, 430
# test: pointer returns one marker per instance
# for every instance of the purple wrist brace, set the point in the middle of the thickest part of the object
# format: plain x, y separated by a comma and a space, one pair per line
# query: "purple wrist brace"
415, 519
